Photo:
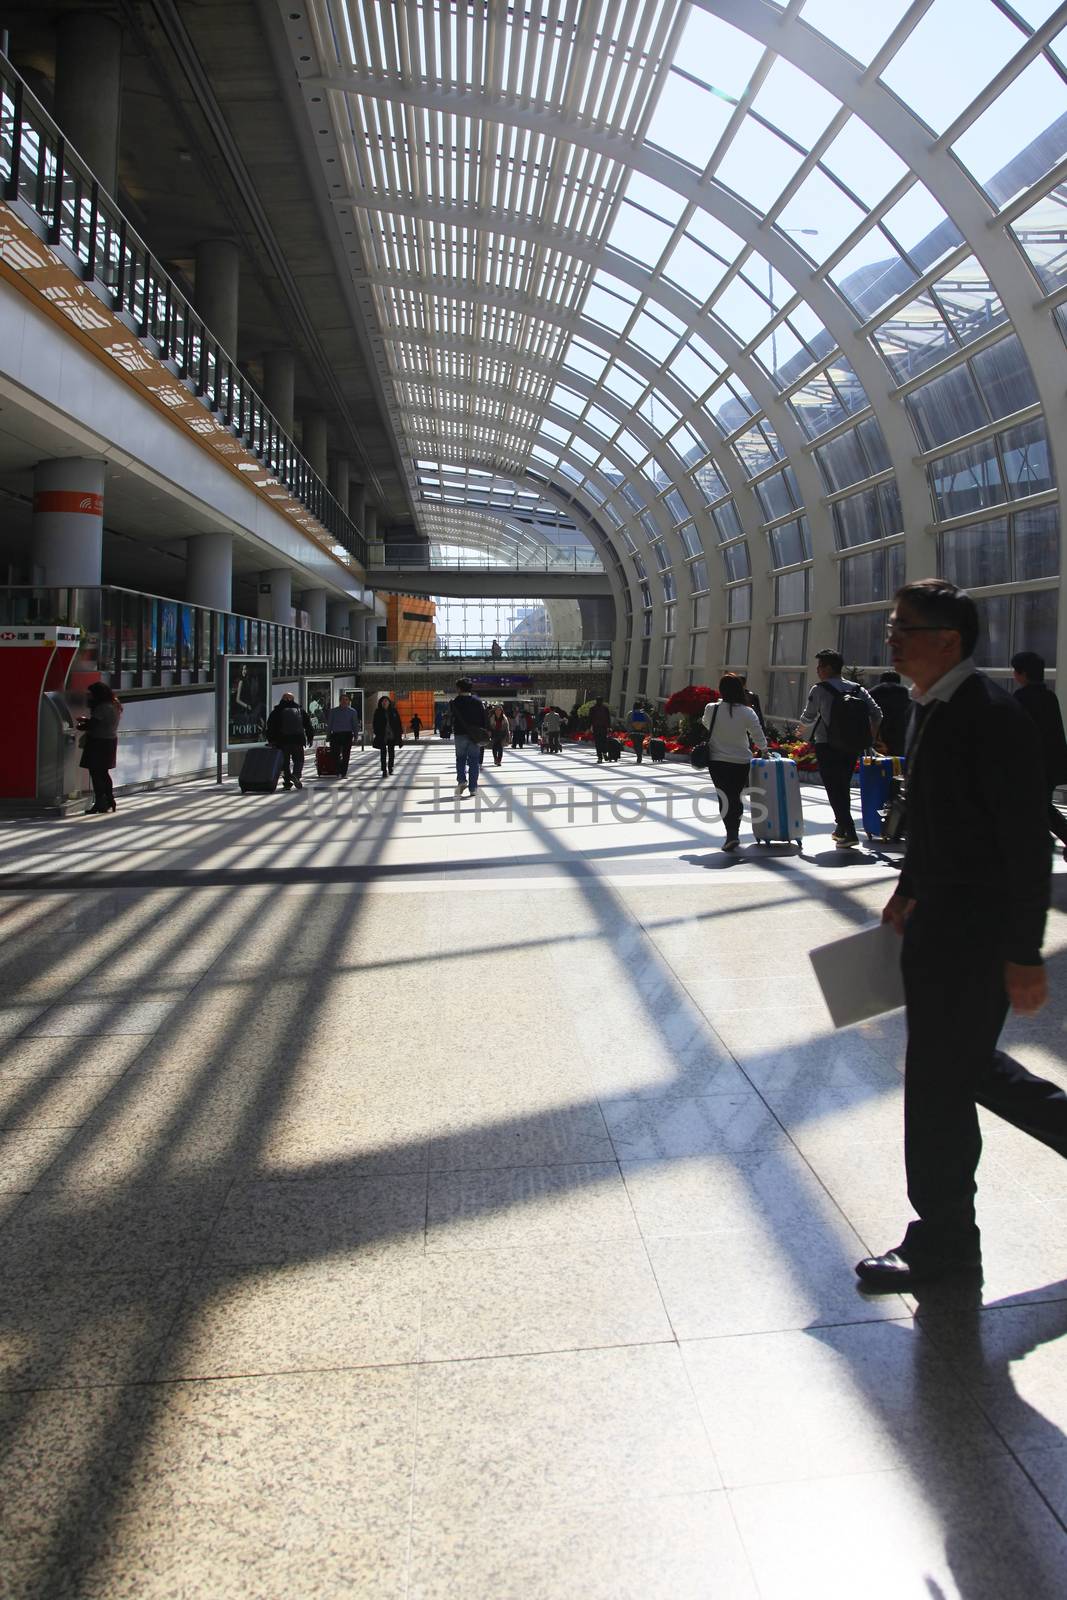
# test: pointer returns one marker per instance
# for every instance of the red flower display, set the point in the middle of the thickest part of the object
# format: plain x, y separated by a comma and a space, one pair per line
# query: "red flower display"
690, 701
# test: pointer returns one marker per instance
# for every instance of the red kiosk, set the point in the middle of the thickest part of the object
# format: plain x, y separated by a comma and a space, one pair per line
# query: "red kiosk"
35, 662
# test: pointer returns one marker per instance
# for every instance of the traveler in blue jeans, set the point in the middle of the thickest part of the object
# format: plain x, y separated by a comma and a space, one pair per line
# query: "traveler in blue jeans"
471, 727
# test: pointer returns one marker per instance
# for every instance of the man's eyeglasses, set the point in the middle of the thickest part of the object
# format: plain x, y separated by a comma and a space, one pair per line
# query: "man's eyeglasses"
897, 630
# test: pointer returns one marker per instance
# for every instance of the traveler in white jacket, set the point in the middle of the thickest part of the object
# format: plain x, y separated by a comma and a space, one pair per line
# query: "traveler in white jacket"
731, 726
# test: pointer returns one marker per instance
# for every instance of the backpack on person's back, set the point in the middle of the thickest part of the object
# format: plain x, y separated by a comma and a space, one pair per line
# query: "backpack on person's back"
849, 723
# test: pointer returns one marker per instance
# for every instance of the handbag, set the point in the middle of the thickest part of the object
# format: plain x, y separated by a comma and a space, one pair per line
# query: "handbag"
895, 820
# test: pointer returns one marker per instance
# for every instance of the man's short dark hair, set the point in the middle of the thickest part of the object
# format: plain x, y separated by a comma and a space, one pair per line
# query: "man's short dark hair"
939, 604
831, 659
889, 677
1030, 664
463, 685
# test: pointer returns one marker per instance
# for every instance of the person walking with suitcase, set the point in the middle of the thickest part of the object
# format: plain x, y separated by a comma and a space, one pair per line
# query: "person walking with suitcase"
289, 730
639, 726
342, 725
600, 722
551, 728
1039, 702
970, 907
388, 732
842, 720
732, 728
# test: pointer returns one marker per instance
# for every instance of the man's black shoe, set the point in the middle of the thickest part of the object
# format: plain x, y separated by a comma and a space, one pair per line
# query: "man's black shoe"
894, 1273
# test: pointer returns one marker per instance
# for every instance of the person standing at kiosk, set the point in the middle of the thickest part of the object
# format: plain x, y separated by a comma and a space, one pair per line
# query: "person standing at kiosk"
100, 744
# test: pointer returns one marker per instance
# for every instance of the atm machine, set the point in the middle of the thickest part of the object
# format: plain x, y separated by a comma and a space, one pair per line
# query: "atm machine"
39, 757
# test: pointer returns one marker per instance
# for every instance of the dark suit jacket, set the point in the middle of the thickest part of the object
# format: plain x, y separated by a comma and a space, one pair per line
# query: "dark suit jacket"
977, 814
1041, 704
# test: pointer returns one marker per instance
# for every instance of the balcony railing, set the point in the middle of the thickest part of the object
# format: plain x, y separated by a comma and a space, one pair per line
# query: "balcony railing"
552, 558
455, 652
144, 640
74, 213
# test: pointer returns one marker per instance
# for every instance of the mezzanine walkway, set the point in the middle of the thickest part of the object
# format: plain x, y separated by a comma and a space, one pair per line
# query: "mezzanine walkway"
400, 1201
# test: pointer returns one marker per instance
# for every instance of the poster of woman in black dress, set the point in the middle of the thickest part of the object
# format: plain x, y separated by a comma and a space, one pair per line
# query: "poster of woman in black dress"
247, 690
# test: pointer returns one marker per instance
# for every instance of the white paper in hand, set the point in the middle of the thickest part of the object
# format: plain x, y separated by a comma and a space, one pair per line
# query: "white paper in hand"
859, 975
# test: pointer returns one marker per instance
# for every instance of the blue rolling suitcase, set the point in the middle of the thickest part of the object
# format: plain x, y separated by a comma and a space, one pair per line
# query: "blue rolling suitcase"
775, 801
260, 770
876, 778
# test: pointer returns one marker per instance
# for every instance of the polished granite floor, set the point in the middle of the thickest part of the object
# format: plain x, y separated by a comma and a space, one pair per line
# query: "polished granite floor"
408, 1199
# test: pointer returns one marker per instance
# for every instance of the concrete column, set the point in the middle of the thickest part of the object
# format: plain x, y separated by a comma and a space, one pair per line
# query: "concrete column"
68, 521
313, 601
209, 571
279, 386
276, 596
88, 92
315, 443
370, 522
340, 472
357, 502
218, 271
337, 615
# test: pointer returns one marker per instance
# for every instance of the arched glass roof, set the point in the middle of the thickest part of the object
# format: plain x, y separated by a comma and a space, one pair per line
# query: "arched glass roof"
770, 295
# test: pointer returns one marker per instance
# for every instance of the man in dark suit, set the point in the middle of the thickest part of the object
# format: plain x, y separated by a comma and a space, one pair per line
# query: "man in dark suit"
1037, 699
970, 906
894, 702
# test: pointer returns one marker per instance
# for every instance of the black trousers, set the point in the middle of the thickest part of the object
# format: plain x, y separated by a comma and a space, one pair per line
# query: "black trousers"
100, 778
498, 751
835, 769
600, 739
953, 966
341, 750
292, 761
388, 755
729, 778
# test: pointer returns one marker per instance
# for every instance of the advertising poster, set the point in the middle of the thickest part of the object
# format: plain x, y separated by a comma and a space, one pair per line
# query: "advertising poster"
168, 628
247, 694
318, 698
187, 657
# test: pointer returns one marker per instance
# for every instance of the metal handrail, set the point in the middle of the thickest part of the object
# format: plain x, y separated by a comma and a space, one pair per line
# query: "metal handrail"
40, 171
593, 651
552, 558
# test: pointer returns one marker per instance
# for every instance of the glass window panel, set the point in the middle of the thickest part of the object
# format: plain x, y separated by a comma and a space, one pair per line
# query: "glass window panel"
874, 446
754, 452
655, 197
582, 358
709, 482
618, 381
566, 400
694, 269
742, 310
698, 643
758, 164
690, 368
795, 103
971, 34
739, 603
774, 496
861, 639
1036, 543
790, 543
969, 301
686, 444
792, 592
726, 520
698, 576
701, 610
731, 54
872, 274
737, 643
920, 227
894, 568
1022, 123
863, 578
856, 520
817, 406
967, 479
1005, 377
782, 355
1027, 467
994, 631
638, 235
736, 562
890, 507
676, 505
859, 29
688, 121
1042, 234
819, 199
977, 556
785, 693
715, 235
649, 334
790, 642
914, 339
690, 540
606, 308
946, 408
842, 462
1035, 624
664, 684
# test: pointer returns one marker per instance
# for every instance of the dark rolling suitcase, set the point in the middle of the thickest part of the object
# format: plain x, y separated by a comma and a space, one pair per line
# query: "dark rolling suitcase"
325, 764
657, 750
614, 749
260, 770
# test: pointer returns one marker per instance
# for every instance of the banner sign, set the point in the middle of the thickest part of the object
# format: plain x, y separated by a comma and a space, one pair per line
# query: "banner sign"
318, 698
502, 680
245, 682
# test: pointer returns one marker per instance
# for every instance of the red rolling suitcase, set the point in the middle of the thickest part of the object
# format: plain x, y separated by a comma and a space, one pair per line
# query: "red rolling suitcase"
325, 765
